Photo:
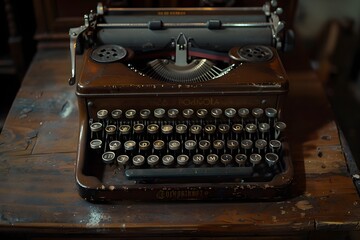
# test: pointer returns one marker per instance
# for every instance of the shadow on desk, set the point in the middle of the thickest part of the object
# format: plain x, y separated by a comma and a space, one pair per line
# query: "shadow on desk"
313, 133
9, 88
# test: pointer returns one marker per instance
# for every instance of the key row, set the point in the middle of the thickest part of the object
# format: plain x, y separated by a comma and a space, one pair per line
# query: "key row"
174, 145
188, 113
194, 129
140, 161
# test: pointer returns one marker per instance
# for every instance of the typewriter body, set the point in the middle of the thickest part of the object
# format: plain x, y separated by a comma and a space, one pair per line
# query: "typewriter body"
181, 104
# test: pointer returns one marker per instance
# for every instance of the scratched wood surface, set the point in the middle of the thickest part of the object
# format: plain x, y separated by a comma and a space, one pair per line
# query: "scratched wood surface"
38, 193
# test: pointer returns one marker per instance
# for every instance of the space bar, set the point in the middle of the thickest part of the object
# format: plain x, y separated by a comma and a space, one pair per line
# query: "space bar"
177, 173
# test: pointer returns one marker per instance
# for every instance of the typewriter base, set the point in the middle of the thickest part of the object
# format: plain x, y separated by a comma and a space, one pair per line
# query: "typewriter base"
101, 182
114, 187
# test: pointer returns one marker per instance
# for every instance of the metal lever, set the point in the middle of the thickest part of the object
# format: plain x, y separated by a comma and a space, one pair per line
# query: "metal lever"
89, 21
74, 34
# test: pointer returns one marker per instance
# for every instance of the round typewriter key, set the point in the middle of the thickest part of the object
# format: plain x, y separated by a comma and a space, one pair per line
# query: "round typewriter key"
204, 145
129, 145
130, 114
108, 157
243, 112
168, 160
257, 112
181, 128
182, 159
240, 159
210, 129
232, 144
174, 145
271, 112
264, 127
216, 112
230, 112
237, 128
96, 130
145, 113
198, 159
158, 144
173, 113
152, 160
114, 145
116, 114
188, 113
195, 129
271, 159
152, 128
247, 145
96, 127
110, 129
224, 128
159, 112
144, 145
260, 144
124, 132
167, 129
138, 128
250, 128
96, 144
102, 114
218, 144
255, 158
212, 159
138, 160
201, 113
124, 129
275, 145
122, 160
190, 145
279, 128
226, 159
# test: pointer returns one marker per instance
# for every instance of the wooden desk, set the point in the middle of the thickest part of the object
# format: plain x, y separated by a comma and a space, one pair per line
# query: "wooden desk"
39, 197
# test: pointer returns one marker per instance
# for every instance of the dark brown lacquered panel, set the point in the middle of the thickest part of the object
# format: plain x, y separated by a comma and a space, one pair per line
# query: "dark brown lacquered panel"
116, 79
38, 193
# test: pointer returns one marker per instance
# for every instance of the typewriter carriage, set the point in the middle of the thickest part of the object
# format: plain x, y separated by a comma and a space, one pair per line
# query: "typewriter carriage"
150, 30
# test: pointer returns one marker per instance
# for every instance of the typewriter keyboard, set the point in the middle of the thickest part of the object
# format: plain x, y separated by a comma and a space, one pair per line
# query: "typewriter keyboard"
198, 144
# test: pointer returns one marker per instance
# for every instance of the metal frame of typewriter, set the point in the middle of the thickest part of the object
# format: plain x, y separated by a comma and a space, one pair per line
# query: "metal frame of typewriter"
106, 86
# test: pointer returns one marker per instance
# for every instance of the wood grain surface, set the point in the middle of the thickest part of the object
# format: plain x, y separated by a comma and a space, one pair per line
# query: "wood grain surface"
38, 194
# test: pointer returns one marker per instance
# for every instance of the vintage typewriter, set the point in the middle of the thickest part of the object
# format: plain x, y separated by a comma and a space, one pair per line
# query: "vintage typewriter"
181, 104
